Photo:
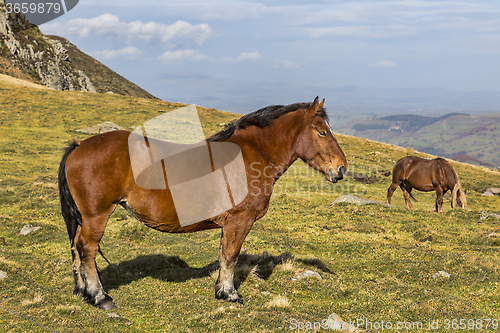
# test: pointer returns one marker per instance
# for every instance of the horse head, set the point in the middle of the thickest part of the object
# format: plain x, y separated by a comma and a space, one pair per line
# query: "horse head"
317, 145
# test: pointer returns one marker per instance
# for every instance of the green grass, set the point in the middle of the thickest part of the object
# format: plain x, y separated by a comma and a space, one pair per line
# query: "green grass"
373, 263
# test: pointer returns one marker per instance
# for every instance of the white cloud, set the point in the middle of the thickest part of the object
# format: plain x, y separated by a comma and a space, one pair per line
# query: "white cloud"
252, 56
181, 56
129, 52
287, 64
111, 26
382, 31
385, 63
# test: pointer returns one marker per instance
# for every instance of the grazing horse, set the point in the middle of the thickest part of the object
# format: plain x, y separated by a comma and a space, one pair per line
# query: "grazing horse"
96, 175
427, 175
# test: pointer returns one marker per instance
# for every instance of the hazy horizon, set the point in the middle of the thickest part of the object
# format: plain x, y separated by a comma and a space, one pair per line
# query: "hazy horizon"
242, 55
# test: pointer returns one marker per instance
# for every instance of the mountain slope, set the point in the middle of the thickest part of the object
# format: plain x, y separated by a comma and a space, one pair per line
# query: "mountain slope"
376, 262
467, 138
53, 61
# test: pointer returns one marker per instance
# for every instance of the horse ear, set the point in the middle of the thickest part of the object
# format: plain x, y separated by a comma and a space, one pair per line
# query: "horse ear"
322, 103
313, 108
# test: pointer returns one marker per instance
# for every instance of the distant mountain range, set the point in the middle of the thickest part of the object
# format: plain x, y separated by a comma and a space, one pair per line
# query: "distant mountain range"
342, 103
467, 138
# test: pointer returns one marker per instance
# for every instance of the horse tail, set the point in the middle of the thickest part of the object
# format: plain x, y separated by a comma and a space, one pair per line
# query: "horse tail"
70, 211
404, 185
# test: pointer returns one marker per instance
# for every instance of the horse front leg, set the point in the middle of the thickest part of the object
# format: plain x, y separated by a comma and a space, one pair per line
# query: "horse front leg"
439, 200
232, 237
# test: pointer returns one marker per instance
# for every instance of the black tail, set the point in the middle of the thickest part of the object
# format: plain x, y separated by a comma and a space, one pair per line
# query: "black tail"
404, 186
70, 211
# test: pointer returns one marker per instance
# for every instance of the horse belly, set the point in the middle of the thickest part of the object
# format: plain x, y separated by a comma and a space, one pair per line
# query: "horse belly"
156, 209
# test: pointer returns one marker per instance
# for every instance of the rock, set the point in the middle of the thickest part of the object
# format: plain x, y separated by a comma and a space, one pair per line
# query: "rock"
487, 193
336, 323
3, 275
28, 228
495, 191
114, 316
349, 198
441, 274
46, 59
493, 234
306, 274
104, 127
492, 191
483, 215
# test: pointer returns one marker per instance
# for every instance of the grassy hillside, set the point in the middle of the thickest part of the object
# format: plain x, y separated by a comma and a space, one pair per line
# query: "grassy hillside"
474, 139
374, 260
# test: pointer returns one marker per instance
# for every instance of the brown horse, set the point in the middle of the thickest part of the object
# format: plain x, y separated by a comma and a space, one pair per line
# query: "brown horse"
427, 175
96, 175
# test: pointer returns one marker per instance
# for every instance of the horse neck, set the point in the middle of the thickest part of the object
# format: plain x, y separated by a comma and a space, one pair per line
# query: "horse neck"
276, 142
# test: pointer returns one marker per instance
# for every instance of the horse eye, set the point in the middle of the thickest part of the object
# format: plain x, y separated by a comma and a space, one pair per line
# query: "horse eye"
322, 133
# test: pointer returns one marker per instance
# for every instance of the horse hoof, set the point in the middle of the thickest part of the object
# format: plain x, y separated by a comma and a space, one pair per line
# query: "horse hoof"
220, 294
238, 300
106, 304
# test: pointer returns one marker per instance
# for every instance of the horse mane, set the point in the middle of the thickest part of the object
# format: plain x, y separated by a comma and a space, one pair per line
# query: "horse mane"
457, 189
261, 118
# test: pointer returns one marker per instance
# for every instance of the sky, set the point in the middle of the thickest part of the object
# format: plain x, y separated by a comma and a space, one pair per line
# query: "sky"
243, 55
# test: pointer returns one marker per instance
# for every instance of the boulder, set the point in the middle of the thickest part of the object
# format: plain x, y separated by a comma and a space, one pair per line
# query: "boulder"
350, 198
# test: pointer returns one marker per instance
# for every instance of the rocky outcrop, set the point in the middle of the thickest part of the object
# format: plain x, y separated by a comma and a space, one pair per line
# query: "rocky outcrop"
53, 61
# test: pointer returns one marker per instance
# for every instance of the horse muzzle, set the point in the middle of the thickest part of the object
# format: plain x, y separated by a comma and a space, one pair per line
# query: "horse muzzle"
334, 177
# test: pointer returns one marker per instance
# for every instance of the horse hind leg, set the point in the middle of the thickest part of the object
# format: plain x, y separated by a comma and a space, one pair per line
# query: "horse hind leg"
77, 275
87, 245
390, 191
406, 188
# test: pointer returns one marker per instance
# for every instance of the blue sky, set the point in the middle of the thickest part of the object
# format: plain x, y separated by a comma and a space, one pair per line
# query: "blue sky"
267, 52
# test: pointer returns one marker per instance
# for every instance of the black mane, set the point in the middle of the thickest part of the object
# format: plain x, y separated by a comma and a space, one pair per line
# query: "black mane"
261, 118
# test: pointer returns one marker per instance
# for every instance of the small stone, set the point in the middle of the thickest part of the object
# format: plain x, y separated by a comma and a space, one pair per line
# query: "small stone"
493, 234
349, 198
28, 228
336, 323
441, 274
104, 127
493, 190
306, 274
114, 316
3, 275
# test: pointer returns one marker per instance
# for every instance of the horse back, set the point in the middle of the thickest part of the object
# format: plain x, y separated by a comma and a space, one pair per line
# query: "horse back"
424, 174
